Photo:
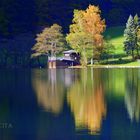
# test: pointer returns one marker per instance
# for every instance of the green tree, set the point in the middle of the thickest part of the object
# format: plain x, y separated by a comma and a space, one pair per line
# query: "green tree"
82, 43
137, 27
42, 11
78, 39
3, 23
109, 49
130, 35
49, 42
138, 39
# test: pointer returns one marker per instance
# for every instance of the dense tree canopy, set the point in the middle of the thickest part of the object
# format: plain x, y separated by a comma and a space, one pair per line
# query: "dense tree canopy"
131, 34
51, 40
86, 33
18, 16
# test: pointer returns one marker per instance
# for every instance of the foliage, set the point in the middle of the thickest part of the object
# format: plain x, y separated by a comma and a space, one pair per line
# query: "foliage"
81, 43
109, 49
47, 12
93, 24
130, 34
51, 40
3, 23
138, 41
137, 27
86, 33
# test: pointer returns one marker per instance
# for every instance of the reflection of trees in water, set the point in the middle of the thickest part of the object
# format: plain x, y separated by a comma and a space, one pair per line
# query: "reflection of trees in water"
132, 96
85, 94
86, 99
114, 82
49, 90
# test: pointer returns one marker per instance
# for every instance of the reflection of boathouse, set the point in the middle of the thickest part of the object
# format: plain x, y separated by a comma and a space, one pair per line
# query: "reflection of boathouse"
70, 58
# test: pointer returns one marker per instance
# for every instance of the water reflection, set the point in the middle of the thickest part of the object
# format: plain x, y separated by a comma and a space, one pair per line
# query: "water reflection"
49, 91
132, 96
87, 101
87, 93
74, 101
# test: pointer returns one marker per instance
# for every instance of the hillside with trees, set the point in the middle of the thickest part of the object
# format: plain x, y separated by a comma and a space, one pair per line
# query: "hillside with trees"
21, 21
18, 16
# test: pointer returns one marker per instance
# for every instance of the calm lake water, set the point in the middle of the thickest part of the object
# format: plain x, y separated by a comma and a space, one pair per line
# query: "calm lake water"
70, 104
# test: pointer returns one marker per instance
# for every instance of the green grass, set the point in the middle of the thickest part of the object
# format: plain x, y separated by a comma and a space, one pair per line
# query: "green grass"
115, 36
135, 63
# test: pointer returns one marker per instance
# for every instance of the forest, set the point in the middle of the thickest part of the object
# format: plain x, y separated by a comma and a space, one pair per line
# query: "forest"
18, 16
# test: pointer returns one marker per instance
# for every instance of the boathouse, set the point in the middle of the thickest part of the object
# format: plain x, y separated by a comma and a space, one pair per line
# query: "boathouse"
69, 58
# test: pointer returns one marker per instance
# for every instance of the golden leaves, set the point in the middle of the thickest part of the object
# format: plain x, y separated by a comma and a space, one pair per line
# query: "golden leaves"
45, 41
87, 23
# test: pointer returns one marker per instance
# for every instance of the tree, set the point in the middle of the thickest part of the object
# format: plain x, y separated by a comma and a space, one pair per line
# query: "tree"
78, 39
49, 42
130, 35
93, 24
3, 23
137, 39
138, 43
108, 50
86, 33
81, 42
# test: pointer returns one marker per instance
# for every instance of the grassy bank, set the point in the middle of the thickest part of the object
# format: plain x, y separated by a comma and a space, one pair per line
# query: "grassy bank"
115, 36
119, 58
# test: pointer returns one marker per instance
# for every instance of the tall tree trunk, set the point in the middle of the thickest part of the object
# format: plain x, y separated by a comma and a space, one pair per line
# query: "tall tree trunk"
84, 63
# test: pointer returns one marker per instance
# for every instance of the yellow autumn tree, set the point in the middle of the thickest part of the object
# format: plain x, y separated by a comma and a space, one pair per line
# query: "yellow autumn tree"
95, 26
86, 33
50, 40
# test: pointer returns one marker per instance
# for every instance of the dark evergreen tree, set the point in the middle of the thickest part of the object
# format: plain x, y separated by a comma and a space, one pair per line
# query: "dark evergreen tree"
138, 43
137, 27
130, 36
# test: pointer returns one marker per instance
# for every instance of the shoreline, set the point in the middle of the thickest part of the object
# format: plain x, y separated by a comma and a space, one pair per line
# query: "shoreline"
104, 67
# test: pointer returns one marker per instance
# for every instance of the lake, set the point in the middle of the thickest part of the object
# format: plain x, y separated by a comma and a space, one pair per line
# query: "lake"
70, 104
